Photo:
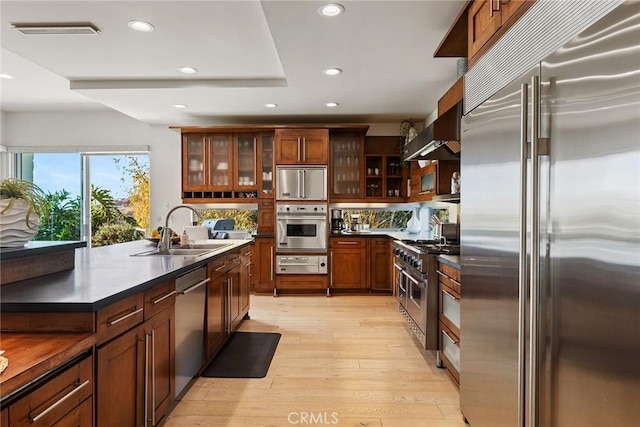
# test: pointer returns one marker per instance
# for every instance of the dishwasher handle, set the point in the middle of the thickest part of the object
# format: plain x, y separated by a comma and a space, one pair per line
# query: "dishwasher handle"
194, 287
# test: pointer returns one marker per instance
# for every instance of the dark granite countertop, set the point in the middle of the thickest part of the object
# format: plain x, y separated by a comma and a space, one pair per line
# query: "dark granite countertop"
450, 260
101, 276
38, 248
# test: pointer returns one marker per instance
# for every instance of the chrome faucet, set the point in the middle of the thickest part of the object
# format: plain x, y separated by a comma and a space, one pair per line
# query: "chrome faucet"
165, 242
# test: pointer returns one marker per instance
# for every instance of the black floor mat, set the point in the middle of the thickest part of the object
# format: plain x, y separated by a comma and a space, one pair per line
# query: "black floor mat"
245, 355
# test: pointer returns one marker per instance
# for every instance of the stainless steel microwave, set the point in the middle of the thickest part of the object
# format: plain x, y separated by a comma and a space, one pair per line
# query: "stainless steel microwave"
301, 183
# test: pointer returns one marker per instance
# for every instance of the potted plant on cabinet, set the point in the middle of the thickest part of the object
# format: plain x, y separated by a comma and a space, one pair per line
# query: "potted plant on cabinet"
21, 203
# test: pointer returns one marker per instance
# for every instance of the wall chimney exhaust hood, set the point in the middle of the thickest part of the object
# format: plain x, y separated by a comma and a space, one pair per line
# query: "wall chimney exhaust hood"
438, 141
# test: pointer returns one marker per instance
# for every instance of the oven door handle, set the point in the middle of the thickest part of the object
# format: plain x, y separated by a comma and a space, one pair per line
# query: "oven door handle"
310, 216
412, 279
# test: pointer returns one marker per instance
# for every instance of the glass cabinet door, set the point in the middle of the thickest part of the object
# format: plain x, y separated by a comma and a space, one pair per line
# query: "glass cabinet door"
346, 166
246, 158
220, 166
194, 157
266, 189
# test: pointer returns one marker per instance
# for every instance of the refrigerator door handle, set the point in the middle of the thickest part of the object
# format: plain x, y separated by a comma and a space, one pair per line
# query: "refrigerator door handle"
534, 282
522, 257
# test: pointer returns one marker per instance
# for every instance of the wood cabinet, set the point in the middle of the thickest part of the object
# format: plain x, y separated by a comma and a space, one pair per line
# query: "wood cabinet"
302, 146
136, 370
216, 327
64, 399
234, 167
266, 216
449, 288
265, 264
431, 180
383, 170
234, 281
486, 17
245, 281
347, 165
379, 277
348, 263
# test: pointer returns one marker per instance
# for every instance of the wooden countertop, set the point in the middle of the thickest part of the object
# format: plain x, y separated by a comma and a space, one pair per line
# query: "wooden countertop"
32, 355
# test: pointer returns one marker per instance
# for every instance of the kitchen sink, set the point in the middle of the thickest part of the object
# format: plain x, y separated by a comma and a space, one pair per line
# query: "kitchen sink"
209, 245
195, 249
176, 251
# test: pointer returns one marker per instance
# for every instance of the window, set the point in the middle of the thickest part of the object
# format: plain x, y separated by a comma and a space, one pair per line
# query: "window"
378, 218
112, 187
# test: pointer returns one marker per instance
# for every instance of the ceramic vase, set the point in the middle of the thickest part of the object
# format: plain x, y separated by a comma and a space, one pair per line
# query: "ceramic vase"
14, 231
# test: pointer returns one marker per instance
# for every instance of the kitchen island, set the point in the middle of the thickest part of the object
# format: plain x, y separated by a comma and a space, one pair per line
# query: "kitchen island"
60, 323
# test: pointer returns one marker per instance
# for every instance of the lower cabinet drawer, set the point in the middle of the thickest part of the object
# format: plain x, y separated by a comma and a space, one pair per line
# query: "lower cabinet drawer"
451, 349
59, 400
450, 307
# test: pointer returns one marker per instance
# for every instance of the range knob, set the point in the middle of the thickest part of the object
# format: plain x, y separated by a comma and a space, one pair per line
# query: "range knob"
288, 208
315, 209
396, 251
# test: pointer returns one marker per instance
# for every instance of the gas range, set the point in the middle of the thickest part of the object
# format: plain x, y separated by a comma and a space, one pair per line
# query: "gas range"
416, 254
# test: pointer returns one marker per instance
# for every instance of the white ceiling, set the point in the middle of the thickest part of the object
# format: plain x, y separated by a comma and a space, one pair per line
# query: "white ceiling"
248, 53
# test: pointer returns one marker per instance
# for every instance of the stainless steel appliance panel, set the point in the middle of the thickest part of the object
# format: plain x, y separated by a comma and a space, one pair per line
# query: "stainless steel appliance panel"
190, 309
301, 183
490, 223
594, 270
301, 264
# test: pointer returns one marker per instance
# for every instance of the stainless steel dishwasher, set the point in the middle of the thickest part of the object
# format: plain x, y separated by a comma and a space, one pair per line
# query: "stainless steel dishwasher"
190, 308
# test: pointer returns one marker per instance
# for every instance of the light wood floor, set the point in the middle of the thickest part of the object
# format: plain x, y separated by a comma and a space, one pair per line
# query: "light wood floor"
345, 361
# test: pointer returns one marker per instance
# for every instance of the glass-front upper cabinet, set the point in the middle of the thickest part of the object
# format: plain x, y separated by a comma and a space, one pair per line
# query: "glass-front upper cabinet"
267, 166
220, 161
246, 162
347, 154
194, 169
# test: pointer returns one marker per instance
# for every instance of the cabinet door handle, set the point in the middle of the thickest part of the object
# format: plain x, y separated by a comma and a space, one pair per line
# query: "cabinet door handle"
272, 263
153, 377
159, 300
453, 297
304, 149
447, 277
449, 337
146, 379
299, 148
331, 270
60, 401
125, 317
196, 286
221, 267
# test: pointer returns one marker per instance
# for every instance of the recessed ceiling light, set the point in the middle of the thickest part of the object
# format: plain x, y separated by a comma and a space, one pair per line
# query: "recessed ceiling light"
180, 106
270, 105
331, 9
5, 76
332, 71
141, 26
188, 70
331, 104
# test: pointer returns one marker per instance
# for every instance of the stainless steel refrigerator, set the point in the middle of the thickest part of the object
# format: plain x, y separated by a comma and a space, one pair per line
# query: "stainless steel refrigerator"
550, 233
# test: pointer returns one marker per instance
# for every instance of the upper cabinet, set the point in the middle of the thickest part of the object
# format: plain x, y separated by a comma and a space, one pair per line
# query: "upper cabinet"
302, 146
432, 180
347, 154
487, 17
226, 167
479, 24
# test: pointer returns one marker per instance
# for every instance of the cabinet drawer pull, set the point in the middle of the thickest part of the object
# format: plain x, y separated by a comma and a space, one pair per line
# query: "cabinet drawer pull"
236, 259
444, 275
159, 300
347, 243
453, 297
60, 401
449, 337
221, 267
125, 317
